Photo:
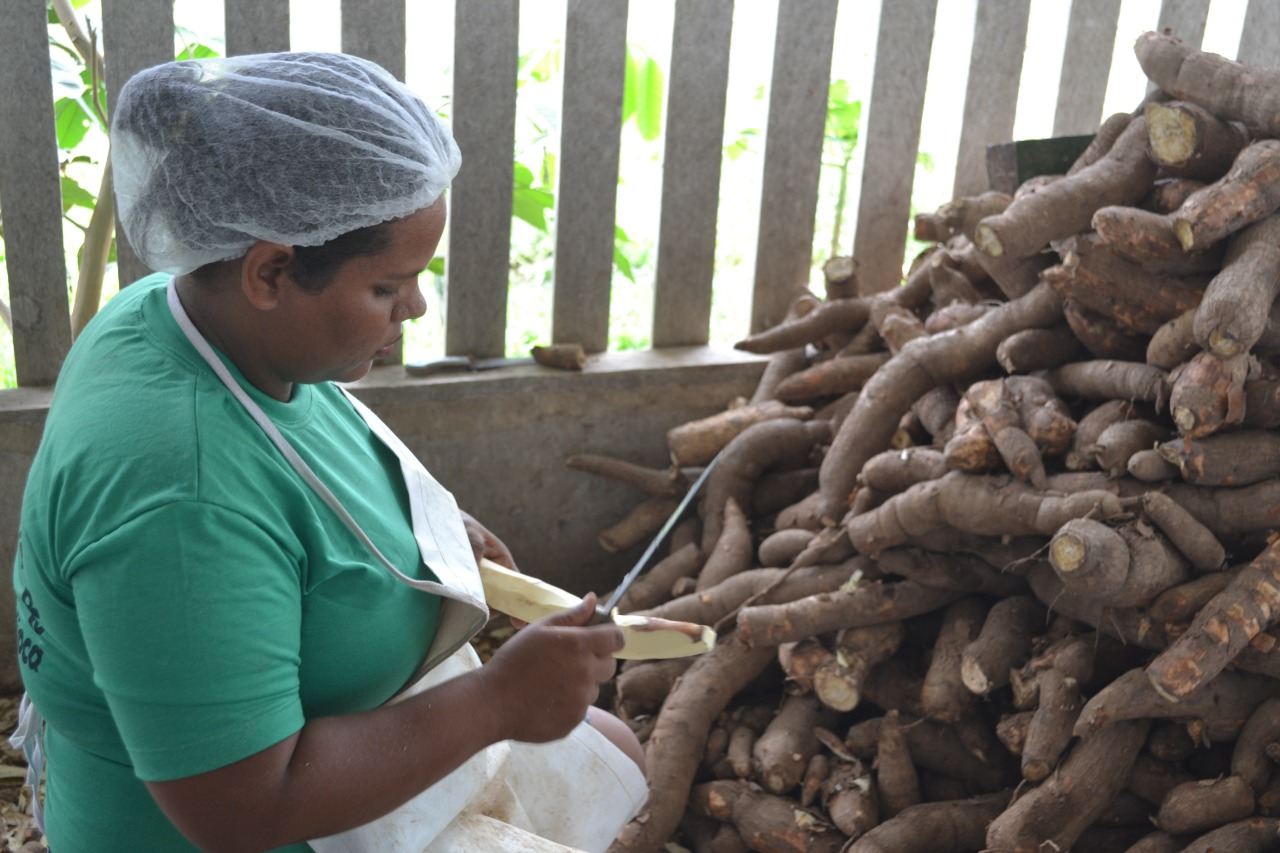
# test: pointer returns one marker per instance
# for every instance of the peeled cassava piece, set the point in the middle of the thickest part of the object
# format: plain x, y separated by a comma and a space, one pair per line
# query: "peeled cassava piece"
647, 638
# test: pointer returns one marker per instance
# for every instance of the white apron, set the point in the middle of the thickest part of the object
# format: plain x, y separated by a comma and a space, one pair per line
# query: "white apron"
571, 794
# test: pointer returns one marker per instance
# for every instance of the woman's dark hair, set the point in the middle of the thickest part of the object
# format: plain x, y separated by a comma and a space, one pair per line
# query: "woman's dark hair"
313, 267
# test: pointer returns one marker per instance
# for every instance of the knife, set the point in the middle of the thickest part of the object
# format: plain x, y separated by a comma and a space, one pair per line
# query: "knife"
604, 611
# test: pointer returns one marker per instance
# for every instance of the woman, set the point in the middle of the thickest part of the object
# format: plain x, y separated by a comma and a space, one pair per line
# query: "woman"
226, 565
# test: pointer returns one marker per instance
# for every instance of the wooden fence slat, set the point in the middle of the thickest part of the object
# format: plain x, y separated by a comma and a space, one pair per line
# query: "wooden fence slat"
590, 140
486, 48
136, 34
1086, 65
691, 172
792, 155
1185, 19
375, 30
892, 139
30, 198
1260, 40
257, 26
995, 69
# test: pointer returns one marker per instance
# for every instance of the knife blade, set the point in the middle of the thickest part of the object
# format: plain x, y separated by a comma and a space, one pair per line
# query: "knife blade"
603, 611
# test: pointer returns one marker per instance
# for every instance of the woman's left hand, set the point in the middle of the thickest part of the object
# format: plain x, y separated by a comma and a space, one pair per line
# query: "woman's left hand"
485, 544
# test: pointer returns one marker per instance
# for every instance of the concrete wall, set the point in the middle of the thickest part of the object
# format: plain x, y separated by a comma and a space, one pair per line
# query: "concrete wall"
497, 440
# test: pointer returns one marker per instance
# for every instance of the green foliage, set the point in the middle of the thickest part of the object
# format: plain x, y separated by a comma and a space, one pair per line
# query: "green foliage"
843, 116
74, 195
529, 203
642, 93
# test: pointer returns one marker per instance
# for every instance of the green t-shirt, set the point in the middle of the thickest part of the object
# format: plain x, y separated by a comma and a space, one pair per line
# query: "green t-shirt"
184, 599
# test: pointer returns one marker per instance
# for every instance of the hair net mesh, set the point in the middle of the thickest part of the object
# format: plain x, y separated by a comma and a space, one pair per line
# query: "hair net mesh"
210, 156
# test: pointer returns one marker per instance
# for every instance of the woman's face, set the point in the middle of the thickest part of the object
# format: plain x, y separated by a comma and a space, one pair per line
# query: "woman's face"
336, 333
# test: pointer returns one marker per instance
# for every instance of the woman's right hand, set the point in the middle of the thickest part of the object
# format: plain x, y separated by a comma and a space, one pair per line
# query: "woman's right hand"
547, 675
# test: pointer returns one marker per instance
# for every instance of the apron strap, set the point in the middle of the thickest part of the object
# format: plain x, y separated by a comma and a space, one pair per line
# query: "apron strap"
29, 737
273, 432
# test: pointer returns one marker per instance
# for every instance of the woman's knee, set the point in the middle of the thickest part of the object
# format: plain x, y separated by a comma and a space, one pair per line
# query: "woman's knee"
618, 733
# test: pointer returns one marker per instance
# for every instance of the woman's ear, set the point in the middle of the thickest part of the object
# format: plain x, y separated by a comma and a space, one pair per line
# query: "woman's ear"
264, 272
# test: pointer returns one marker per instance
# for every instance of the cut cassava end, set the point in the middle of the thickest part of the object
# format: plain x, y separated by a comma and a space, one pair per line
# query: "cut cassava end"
1003, 643
1188, 141
1246, 194
1237, 304
530, 599
1122, 176
560, 356
1228, 89
1207, 393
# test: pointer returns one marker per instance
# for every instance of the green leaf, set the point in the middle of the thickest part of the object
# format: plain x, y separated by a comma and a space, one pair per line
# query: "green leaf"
197, 51
531, 205
74, 195
925, 161
523, 175
436, 267
72, 122
623, 263
649, 106
642, 95
548, 175
630, 83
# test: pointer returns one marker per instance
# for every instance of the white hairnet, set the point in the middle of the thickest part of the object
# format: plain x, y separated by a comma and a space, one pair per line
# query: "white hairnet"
210, 156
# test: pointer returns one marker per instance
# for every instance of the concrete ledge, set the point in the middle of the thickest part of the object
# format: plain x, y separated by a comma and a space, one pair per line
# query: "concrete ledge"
497, 439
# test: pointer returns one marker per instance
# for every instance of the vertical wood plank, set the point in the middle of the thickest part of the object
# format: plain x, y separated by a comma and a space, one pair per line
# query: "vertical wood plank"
1185, 19
1260, 40
257, 26
136, 34
590, 139
793, 154
991, 97
484, 118
30, 196
892, 139
1086, 64
375, 30
691, 172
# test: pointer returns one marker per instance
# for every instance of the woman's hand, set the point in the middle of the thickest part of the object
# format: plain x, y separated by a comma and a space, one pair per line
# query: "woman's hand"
485, 544
549, 674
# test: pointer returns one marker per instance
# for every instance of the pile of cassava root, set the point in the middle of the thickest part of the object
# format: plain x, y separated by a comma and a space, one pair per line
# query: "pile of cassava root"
991, 555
